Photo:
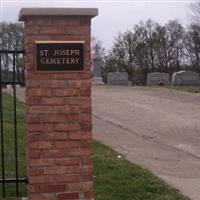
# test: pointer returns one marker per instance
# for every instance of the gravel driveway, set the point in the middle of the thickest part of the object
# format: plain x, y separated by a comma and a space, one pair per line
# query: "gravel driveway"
156, 128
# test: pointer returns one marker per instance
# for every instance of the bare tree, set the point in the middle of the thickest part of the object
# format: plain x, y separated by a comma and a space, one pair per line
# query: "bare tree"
195, 12
11, 38
192, 43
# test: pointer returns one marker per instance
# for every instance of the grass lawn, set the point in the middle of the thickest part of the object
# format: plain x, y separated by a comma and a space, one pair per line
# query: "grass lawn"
193, 89
115, 178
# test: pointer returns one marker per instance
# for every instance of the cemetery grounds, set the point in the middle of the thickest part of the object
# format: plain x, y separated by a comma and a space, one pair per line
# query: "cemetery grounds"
120, 120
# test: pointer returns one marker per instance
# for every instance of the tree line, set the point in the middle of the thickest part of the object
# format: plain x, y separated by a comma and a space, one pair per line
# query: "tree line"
11, 38
150, 47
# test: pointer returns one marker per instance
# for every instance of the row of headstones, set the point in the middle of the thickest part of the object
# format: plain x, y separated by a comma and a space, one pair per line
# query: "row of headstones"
178, 78
157, 78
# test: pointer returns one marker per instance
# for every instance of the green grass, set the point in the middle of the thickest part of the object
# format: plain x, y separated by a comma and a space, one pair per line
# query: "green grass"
118, 179
115, 179
8, 128
193, 89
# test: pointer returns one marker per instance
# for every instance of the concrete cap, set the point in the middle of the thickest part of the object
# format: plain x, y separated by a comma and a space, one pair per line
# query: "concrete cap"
27, 12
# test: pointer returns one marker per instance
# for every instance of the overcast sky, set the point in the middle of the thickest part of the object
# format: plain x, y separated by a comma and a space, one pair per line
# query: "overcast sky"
114, 16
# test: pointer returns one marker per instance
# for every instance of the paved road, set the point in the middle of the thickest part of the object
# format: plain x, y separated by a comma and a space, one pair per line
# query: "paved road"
156, 128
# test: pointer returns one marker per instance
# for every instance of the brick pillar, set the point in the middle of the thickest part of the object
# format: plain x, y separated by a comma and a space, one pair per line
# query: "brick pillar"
59, 125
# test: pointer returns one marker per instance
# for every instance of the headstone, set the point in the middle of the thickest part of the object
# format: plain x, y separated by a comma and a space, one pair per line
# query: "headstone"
157, 78
117, 78
185, 78
97, 79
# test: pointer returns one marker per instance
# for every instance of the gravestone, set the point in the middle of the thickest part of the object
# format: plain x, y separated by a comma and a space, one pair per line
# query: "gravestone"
185, 78
117, 78
157, 78
97, 79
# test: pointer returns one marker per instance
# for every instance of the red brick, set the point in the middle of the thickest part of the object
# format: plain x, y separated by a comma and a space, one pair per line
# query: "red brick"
39, 127
67, 161
86, 126
52, 153
85, 92
39, 21
55, 170
86, 178
50, 179
69, 21
53, 83
40, 162
79, 83
68, 76
52, 101
79, 30
31, 30
35, 171
40, 145
35, 188
74, 170
66, 127
34, 101
67, 195
40, 92
85, 21
33, 38
66, 109
76, 186
55, 136
34, 154
34, 137
53, 118
48, 30
66, 144
54, 188
40, 109
68, 178
41, 76
66, 92
79, 101
35, 179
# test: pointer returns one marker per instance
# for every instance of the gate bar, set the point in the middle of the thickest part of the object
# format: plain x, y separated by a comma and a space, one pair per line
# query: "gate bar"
2, 134
13, 180
15, 127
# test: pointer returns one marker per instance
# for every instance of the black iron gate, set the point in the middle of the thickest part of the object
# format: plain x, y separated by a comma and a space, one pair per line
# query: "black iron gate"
12, 73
